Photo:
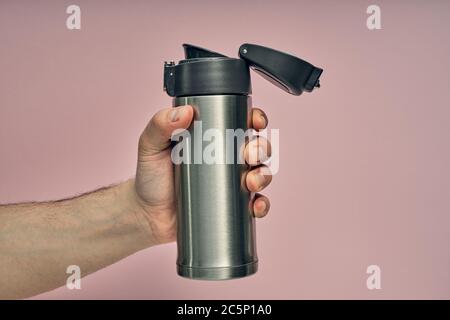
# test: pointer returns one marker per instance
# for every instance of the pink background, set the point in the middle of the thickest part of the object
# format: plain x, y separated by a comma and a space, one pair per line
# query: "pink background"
364, 176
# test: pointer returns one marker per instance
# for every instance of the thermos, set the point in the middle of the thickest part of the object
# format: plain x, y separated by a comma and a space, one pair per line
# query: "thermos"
215, 222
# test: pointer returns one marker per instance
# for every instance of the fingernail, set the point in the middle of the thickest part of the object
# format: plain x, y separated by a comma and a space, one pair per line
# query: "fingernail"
262, 206
262, 156
177, 113
260, 180
264, 120
173, 116
265, 171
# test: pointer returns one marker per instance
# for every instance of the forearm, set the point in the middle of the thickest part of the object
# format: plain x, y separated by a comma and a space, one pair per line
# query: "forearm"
38, 241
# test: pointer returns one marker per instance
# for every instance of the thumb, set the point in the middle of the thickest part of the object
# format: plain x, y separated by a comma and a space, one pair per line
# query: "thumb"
156, 136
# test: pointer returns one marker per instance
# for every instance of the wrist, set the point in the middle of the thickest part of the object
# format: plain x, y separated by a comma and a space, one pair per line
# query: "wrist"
137, 214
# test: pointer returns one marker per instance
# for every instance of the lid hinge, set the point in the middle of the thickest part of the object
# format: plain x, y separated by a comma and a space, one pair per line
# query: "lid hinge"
169, 78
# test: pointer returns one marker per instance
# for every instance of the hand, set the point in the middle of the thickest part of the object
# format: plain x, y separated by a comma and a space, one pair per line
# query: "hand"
154, 176
99, 228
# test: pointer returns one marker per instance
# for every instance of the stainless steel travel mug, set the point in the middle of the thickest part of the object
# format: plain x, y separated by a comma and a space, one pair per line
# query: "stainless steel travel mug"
215, 223
216, 233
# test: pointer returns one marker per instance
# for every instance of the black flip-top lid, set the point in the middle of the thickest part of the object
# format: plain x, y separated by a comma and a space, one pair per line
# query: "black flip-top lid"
204, 72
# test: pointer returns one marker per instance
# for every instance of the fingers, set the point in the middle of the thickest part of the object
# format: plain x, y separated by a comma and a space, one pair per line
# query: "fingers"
259, 119
156, 136
261, 206
257, 151
258, 178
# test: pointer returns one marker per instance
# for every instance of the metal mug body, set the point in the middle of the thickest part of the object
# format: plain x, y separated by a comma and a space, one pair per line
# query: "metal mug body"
215, 226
